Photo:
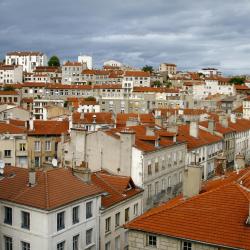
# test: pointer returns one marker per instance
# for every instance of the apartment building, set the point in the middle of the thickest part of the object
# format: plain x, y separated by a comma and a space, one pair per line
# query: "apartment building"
71, 72
13, 112
10, 74
29, 60
43, 138
9, 97
48, 209
206, 216
13, 144
121, 203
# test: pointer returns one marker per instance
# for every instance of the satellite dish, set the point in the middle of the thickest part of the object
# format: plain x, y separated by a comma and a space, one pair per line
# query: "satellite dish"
54, 162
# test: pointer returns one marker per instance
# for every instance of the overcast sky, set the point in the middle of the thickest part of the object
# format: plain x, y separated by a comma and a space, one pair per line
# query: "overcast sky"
191, 33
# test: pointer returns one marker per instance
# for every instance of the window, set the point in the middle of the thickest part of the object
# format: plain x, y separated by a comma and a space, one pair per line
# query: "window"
8, 215
149, 190
149, 169
25, 245
186, 245
22, 147
60, 246
25, 220
76, 242
117, 243
60, 221
75, 215
136, 209
117, 220
157, 187
89, 233
37, 146
8, 243
127, 214
37, 161
156, 167
7, 153
107, 224
151, 240
89, 209
107, 246
47, 145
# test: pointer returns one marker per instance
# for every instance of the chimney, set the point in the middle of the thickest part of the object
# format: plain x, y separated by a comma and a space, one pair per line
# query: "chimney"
211, 126
194, 129
83, 172
240, 162
233, 118
32, 176
150, 131
31, 124
192, 181
82, 116
157, 113
157, 142
223, 121
94, 118
220, 165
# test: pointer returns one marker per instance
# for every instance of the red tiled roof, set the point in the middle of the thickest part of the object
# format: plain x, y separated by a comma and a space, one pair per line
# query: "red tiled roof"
11, 128
218, 127
152, 89
11, 92
122, 118
204, 137
25, 53
216, 217
100, 118
241, 87
42, 127
94, 72
72, 64
18, 123
108, 86
54, 188
137, 74
119, 188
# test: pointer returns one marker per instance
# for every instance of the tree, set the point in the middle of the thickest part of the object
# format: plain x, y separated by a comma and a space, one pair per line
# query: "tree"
156, 84
90, 98
237, 80
54, 61
148, 68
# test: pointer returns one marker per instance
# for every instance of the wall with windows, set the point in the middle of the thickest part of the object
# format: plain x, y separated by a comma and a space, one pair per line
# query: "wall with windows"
141, 240
40, 228
113, 235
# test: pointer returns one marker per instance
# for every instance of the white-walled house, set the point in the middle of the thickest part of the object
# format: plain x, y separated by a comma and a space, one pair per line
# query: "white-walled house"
48, 209
28, 59
10, 74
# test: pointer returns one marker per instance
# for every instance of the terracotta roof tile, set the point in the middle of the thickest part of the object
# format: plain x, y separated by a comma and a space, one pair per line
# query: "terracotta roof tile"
54, 188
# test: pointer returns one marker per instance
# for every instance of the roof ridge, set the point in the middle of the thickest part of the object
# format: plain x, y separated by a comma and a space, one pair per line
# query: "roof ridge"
46, 190
243, 190
108, 184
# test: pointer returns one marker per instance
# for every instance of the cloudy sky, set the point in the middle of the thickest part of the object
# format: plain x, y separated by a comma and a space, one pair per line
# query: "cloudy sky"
190, 33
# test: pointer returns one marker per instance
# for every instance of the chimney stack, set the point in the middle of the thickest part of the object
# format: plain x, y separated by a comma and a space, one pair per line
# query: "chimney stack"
233, 118
240, 162
32, 176
194, 129
31, 124
192, 181
83, 172
223, 121
211, 126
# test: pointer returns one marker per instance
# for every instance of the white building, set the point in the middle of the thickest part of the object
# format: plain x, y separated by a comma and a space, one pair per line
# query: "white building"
112, 63
86, 59
50, 209
28, 59
246, 108
11, 74
209, 72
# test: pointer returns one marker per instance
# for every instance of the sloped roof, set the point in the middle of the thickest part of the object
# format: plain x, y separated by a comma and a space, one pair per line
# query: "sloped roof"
54, 188
11, 129
215, 217
88, 118
122, 118
119, 188
42, 127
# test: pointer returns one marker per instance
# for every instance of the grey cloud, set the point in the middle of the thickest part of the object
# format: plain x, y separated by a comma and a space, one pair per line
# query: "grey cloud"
191, 33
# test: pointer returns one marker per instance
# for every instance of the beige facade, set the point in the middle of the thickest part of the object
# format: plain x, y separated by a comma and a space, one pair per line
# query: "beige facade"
112, 219
140, 241
42, 149
14, 150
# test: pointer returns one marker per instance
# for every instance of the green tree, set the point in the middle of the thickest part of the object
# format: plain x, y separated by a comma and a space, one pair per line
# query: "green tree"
90, 98
54, 61
156, 84
148, 68
237, 80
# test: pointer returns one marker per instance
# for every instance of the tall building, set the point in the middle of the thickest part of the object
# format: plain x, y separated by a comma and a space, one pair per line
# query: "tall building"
87, 60
28, 59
